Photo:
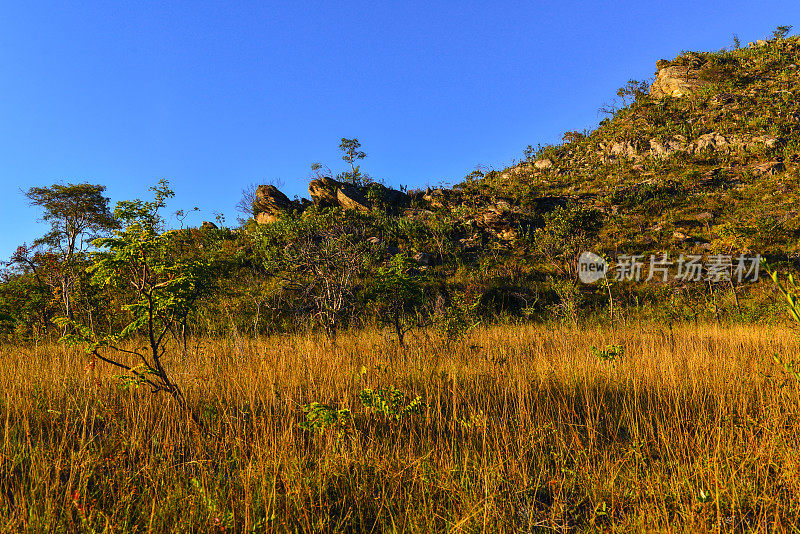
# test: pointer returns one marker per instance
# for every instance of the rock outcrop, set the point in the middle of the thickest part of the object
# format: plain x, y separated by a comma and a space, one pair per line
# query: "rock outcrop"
436, 198
327, 192
675, 81
323, 191
270, 204
351, 198
678, 144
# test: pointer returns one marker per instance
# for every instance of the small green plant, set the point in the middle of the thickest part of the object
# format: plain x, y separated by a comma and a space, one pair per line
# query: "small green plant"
609, 354
219, 517
790, 292
705, 496
321, 417
460, 317
391, 402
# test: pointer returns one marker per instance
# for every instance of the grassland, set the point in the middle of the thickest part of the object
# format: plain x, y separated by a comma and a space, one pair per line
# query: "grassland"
524, 429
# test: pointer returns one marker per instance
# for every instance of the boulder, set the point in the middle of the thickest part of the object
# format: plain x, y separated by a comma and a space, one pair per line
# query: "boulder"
542, 164
436, 198
270, 203
502, 206
711, 141
624, 149
509, 234
350, 198
680, 236
323, 191
665, 149
765, 141
327, 192
491, 218
208, 225
676, 81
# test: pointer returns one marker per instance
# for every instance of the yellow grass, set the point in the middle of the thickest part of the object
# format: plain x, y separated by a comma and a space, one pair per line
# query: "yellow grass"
524, 430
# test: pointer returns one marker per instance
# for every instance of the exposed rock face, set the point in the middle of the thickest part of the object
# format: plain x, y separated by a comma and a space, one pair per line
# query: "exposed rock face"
323, 191
767, 141
437, 198
270, 203
327, 192
624, 149
666, 148
350, 198
675, 81
678, 144
713, 141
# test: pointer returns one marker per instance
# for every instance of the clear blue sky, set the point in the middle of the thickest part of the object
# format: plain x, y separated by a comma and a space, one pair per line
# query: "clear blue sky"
216, 95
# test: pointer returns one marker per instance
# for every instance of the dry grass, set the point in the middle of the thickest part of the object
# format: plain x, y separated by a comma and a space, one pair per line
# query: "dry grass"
524, 430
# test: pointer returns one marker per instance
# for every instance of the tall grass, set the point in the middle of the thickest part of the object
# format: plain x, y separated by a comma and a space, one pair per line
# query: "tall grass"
524, 429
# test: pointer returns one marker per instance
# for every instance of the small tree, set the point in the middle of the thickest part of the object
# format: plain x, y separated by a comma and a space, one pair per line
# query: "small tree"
781, 32
139, 262
319, 260
77, 213
351, 153
633, 91
397, 292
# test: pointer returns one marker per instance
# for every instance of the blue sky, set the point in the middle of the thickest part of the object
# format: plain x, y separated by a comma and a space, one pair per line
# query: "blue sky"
214, 96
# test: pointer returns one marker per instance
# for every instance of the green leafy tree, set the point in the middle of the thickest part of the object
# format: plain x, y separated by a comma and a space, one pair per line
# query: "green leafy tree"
319, 261
77, 214
352, 153
397, 292
568, 230
781, 32
161, 288
633, 91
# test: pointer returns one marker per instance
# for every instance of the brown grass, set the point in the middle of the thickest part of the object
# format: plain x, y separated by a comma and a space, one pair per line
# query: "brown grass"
524, 430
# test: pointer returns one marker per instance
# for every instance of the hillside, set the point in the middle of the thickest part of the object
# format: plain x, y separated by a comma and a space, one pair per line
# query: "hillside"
713, 163
702, 163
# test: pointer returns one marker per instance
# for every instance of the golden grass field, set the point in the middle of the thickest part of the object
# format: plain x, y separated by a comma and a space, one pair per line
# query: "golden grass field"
524, 429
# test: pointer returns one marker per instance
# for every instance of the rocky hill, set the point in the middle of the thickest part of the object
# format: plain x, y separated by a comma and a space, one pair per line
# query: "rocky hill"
702, 161
706, 159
